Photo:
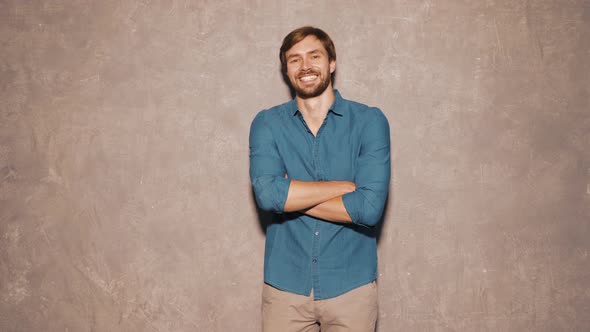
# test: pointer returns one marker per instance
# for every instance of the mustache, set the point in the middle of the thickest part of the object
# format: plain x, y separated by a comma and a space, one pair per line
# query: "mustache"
307, 72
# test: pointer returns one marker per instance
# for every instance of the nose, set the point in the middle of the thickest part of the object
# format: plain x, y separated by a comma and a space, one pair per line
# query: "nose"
306, 63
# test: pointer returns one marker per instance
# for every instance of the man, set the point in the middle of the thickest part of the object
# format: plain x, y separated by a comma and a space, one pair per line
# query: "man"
322, 164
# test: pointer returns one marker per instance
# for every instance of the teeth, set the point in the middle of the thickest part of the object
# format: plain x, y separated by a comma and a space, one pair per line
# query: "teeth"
308, 78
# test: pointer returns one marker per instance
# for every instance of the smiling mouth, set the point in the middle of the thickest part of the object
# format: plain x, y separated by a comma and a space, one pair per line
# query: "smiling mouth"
308, 78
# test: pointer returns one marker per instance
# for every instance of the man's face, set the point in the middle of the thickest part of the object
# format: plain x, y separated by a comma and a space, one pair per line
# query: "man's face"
308, 67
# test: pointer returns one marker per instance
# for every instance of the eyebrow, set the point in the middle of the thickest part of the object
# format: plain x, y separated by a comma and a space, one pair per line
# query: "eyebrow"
317, 50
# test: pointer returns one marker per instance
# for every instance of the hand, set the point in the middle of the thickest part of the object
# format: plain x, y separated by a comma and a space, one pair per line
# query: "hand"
347, 186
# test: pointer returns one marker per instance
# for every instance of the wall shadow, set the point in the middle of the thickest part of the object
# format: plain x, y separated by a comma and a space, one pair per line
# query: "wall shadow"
379, 226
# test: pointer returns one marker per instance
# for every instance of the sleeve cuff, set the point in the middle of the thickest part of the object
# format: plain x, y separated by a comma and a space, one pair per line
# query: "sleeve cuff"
282, 191
350, 204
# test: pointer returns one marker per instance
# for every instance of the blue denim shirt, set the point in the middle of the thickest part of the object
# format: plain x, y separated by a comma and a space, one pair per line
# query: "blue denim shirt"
352, 144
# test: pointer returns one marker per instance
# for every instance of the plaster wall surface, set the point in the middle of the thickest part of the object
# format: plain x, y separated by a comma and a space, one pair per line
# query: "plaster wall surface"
125, 203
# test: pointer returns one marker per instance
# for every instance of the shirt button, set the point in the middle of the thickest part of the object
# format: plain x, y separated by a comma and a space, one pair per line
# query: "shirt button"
317, 233
314, 260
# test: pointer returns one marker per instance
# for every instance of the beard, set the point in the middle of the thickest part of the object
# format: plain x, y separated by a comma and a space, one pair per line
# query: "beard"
312, 91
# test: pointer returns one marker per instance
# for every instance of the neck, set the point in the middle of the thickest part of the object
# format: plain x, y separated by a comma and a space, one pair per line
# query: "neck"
316, 108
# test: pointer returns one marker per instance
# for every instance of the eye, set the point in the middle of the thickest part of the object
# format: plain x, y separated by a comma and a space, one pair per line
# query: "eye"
293, 60
315, 56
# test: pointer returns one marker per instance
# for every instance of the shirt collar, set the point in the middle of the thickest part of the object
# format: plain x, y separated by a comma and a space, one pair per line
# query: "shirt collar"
336, 107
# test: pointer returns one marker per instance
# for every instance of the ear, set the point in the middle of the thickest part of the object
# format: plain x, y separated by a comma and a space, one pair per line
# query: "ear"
332, 66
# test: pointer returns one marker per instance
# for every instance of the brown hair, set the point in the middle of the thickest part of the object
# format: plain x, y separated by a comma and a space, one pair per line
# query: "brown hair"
298, 35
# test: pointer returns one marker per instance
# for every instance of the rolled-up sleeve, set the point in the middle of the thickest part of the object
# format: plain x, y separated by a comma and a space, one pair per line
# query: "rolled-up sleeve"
267, 169
365, 205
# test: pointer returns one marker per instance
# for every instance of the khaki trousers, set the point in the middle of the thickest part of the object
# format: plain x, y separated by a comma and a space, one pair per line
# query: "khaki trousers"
354, 311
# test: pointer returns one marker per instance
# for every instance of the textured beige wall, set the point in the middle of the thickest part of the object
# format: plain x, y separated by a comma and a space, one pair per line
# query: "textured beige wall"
125, 203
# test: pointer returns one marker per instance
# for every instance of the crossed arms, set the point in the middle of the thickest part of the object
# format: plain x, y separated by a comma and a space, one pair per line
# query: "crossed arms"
361, 202
320, 199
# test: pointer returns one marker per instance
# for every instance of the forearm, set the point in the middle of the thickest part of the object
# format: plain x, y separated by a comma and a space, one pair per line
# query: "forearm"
307, 194
330, 210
